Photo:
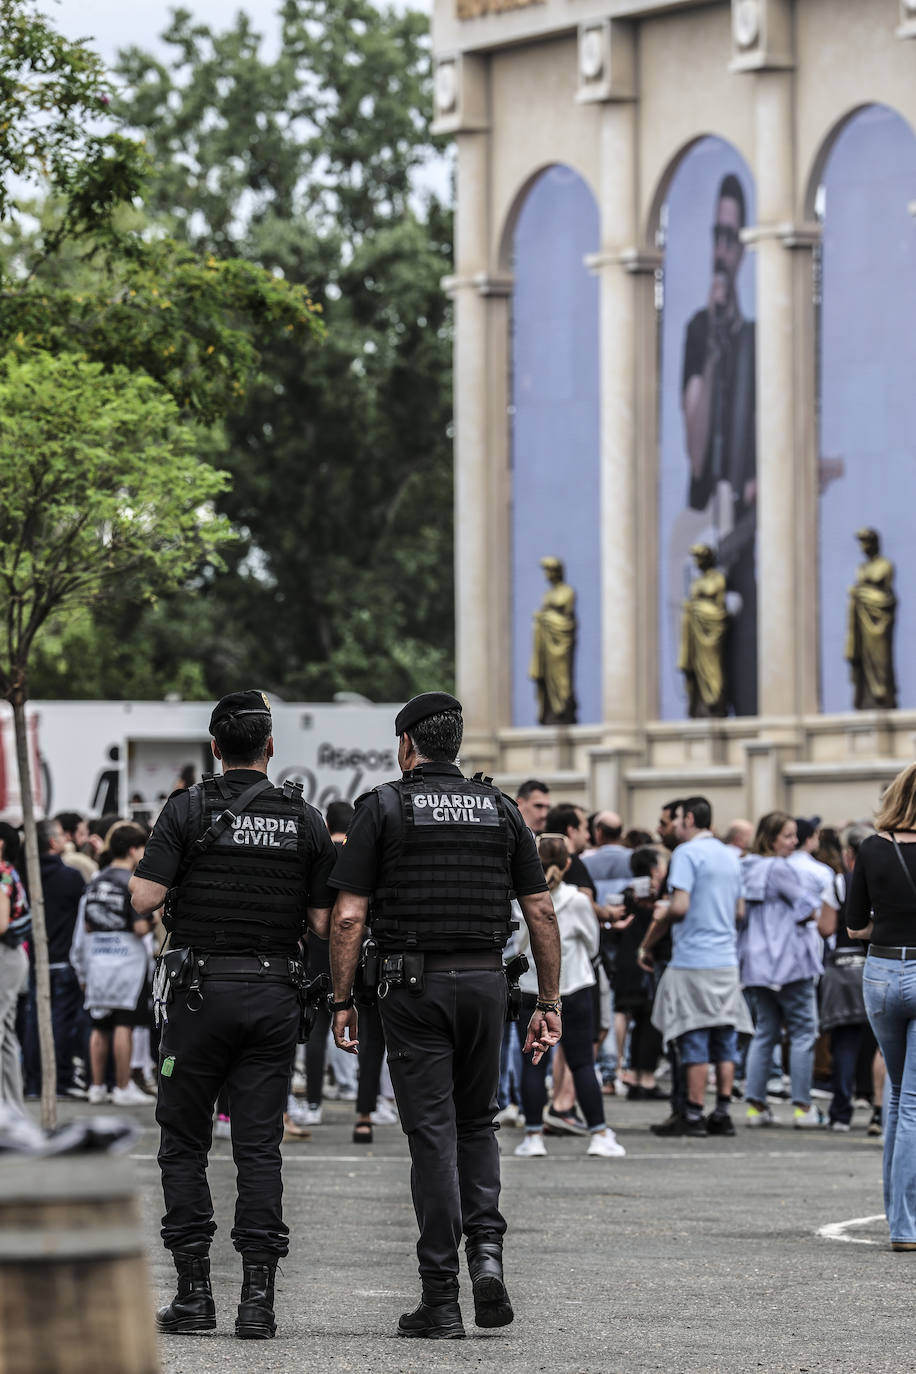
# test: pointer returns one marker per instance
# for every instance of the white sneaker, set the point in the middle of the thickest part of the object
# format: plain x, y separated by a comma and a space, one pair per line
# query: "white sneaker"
840, 1126
384, 1114
297, 1111
97, 1094
760, 1116
298, 1083
805, 1120
131, 1096
532, 1147
605, 1145
222, 1128
310, 1114
508, 1116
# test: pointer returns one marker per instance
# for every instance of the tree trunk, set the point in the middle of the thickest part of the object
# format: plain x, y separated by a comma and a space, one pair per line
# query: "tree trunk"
39, 929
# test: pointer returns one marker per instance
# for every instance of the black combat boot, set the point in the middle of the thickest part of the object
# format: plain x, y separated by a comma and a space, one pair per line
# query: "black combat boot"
192, 1309
255, 1321
485, 1266
438, 1317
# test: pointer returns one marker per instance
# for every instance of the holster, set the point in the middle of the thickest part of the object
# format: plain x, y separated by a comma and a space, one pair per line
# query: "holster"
310, 996
513, 971
368, 975
176, 971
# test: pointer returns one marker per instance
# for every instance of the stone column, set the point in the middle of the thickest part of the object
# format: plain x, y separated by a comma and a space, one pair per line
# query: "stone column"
778, 590
470, 390
480, 400
620, 581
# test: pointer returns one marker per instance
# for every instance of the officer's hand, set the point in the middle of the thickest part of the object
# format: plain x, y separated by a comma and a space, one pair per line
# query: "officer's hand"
544, 1030
345, 1028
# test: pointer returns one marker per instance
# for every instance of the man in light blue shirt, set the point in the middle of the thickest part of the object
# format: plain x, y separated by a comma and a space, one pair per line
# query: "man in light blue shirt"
699, 1003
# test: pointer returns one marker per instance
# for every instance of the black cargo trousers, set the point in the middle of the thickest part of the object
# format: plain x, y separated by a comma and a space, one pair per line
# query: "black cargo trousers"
244, 1034
443, 1054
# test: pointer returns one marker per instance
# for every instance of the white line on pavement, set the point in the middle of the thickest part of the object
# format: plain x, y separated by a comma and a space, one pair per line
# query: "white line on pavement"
837, 1230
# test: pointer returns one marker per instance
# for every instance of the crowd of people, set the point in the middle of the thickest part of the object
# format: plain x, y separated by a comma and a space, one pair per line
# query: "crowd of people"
702, 966
717, 962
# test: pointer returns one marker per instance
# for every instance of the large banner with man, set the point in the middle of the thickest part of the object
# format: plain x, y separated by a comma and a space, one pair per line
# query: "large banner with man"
707, 444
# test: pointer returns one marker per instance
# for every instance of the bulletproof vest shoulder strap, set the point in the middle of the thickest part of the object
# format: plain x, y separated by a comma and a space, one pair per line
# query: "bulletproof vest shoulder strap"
220, 783
389, 799
231, 813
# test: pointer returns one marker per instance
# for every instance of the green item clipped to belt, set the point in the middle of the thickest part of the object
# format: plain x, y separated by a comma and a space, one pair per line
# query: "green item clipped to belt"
168, 1066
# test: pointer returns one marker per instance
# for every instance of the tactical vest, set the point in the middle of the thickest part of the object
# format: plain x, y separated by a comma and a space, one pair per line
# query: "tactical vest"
248, 891
448, 886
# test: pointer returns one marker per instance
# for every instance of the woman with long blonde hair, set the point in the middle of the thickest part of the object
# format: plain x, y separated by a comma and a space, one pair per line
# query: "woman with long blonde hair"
881, 908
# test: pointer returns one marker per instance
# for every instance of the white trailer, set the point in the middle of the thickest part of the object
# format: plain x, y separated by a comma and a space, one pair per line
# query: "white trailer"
121, 757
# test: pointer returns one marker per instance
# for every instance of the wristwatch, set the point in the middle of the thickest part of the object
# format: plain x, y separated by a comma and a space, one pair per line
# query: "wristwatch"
345, 1005
542, 1005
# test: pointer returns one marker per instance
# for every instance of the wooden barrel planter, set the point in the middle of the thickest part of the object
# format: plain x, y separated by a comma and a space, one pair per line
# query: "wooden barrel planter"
74, 1287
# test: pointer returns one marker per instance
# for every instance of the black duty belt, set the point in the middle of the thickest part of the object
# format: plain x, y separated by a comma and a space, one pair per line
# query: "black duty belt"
466, 959
893, 951
248, 968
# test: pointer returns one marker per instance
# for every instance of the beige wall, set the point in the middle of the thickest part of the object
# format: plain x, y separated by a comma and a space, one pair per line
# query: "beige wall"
673, 73
686, 91
532, 103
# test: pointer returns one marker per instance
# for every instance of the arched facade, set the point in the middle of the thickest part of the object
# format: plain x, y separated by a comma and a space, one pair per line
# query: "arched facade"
623, 97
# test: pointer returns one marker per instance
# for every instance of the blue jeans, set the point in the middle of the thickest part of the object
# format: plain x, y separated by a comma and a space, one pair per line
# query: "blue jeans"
889, 986
796, 1004
68, 1028
845, 1042
510, 1069
578, 1044
709, 1045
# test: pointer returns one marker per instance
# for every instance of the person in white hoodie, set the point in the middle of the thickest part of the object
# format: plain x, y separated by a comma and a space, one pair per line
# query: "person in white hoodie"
579, 946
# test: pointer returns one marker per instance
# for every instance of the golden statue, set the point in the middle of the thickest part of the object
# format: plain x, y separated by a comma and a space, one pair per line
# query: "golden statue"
704, 624
554, 647
870, 632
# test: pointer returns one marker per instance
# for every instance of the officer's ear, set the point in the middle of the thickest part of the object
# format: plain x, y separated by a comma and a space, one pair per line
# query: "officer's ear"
215, 747
270, 747
405, 751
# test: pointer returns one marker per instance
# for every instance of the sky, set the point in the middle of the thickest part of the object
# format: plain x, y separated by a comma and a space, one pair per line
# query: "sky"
114, 24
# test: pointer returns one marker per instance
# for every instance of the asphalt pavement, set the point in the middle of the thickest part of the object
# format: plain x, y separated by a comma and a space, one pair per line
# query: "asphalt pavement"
687, 1255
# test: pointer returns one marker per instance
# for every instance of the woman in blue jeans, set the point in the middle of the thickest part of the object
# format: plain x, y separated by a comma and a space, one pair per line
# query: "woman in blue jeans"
881, 908
779, 962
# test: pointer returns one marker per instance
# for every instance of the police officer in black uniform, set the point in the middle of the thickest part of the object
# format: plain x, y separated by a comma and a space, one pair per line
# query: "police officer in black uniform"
243, 864
431, 861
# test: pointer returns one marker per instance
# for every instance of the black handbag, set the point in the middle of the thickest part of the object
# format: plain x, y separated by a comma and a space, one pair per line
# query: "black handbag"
840, 996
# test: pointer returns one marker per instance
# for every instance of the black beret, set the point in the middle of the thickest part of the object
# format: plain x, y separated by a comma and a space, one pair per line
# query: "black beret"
426, 704
252, 703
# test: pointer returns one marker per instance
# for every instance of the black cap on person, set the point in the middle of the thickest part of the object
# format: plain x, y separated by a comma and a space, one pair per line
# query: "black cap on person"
419, 708
251, 703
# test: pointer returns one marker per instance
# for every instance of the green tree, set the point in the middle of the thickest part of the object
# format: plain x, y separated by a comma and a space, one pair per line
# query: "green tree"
117, 345
102, 489
341, 458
